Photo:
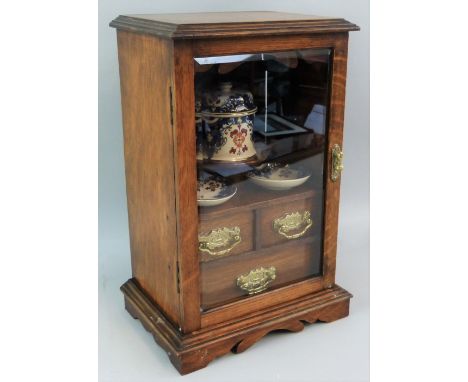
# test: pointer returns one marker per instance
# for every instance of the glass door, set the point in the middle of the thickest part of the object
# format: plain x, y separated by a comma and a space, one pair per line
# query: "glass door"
261, 124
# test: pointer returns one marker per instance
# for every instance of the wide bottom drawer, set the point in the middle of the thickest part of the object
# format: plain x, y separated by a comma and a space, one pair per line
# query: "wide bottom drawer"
231, 278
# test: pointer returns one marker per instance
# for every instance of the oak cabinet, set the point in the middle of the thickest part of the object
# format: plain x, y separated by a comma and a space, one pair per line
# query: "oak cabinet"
233, 128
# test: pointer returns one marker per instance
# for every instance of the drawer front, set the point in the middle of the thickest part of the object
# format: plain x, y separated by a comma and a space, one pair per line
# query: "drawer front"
289, 221
235, 276
230, 235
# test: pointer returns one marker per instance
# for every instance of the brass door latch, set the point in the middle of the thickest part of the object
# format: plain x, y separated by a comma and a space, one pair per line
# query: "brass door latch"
337, 163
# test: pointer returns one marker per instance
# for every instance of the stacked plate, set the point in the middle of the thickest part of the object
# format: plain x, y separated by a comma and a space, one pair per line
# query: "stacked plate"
213, 190
278, 177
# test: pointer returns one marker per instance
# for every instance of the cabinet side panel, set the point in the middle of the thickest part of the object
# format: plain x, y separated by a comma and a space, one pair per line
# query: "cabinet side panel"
145, 76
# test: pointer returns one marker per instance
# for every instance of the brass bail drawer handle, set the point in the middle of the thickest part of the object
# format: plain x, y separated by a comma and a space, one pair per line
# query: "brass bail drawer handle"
257, 280
293, 222
337, 163
219, 241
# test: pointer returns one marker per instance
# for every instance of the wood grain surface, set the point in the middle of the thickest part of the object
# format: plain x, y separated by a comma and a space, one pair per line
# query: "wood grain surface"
293, 263
270, 236
172, 281
186, 185
335, 136
145, 74
250, 196
266, 44
243, 220
190, 352
244, 307
230, 24
229, 17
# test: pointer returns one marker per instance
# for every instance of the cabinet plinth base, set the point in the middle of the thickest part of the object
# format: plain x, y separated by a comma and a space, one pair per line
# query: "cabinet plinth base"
193, 351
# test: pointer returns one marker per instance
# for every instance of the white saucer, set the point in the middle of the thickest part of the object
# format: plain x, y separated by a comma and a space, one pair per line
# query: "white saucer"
213, 191
276, 177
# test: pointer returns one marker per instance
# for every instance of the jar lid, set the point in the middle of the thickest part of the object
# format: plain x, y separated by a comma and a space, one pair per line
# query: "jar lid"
227, 102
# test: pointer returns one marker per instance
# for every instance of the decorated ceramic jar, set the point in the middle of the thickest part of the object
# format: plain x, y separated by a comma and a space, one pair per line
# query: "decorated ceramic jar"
228, 115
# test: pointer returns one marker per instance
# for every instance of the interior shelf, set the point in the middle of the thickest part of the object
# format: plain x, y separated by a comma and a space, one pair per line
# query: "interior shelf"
250, 196
292, 155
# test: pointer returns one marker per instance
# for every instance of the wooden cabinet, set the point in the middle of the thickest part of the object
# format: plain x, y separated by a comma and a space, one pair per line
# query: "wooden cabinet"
233, 127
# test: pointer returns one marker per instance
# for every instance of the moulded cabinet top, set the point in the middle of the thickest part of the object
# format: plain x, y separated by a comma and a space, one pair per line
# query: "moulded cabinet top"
230, 24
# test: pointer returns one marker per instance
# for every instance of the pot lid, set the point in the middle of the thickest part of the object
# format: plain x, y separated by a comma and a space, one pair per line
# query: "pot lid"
227, 100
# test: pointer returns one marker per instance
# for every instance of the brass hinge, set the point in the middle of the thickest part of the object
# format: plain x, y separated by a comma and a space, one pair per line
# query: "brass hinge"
171, 105
178, 277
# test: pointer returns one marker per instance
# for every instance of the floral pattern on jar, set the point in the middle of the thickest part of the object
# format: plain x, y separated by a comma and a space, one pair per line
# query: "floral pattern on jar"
228, 120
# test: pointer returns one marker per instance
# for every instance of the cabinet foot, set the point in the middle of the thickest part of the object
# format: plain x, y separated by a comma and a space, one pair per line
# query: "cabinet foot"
194, 351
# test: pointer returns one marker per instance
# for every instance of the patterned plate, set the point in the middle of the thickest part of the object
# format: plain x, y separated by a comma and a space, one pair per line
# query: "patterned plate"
213, 190
278, 177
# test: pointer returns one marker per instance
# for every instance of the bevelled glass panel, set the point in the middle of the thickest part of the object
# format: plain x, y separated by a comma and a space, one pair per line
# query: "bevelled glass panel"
260, 123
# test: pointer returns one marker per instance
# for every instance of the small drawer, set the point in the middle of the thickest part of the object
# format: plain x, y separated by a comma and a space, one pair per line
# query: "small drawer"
224, 236
289, 221
248, 274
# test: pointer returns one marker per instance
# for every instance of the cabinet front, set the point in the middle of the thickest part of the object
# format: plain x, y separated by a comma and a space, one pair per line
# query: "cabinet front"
261, 136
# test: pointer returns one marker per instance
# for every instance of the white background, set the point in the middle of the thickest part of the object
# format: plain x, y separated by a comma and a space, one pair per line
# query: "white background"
48, 157
335, 352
